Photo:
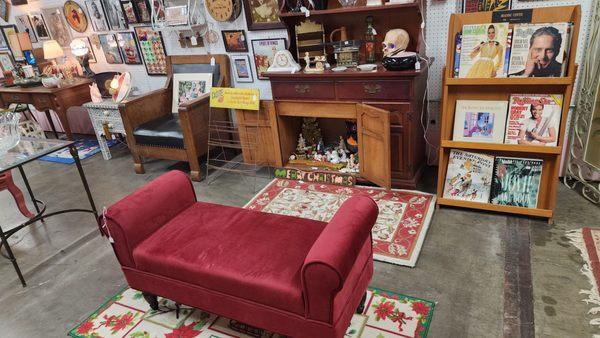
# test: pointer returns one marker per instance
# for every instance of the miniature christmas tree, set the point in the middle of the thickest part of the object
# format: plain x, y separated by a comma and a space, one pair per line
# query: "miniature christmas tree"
311, 131
301, 147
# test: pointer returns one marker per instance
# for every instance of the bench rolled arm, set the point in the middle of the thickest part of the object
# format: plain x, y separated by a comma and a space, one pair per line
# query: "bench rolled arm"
135, 217
334, 253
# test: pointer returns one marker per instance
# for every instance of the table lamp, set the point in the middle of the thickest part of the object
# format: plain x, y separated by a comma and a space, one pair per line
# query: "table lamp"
82, 52
52, 51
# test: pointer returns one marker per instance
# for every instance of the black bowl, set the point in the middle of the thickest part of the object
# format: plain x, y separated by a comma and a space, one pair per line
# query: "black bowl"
399, 63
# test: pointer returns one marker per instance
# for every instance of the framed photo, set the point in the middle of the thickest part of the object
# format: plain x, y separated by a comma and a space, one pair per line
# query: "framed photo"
129, 11
189, 86
76, 17
91, 54
6, 61
24, 25
143, 10
57, 26
153, 51
235, 41
10, 36
4, 10
264, 51
96, 15
176, 15
110, 48
262, 14
114, 14
39, 26
242, 69
129, 49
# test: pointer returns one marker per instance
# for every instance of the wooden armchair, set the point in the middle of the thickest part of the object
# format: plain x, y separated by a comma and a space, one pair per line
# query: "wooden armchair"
154, 131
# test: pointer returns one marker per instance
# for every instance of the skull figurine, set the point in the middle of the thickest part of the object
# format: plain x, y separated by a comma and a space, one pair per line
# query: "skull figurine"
395, 39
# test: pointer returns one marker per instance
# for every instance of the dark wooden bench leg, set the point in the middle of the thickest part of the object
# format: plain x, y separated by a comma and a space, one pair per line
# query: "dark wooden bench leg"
361, 306
152, 300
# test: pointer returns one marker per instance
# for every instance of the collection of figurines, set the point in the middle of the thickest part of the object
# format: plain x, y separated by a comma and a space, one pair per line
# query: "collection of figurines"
312, 151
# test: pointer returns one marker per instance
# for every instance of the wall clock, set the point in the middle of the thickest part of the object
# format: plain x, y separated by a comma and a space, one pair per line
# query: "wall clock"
224, 10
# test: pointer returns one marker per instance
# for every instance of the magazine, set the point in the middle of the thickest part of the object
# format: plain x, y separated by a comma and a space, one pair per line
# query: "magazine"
507, 53
470, 6
534, 119
482, 50
480, 121
469, 176
539, 50
516, 181
457, 46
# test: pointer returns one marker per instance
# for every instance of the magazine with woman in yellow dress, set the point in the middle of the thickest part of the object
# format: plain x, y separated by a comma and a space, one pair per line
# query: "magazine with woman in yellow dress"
483, 47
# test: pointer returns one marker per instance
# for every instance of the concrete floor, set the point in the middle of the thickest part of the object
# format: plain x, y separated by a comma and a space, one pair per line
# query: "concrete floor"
71, 270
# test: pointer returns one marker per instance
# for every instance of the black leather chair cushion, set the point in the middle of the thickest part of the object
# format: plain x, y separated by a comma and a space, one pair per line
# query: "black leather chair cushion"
163, 132
199, 68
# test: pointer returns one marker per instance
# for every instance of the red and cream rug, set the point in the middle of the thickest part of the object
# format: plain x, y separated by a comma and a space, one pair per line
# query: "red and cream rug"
398, 234
128, 315
587, 240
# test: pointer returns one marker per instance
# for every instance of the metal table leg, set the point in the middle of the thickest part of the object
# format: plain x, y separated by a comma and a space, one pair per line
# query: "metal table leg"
26, 181
75, 154
11, 257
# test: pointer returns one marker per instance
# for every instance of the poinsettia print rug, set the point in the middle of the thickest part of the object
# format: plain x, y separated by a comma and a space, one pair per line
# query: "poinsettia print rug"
127, 314
398, 234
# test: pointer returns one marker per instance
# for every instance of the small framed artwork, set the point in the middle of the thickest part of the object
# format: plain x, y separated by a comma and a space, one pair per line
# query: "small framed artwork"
235, 41
153, 51
264, 51
114, 14
76, 17
143, 10
91, 54
3, 43
4, 10
24, 25
10, 36
189, 86
6, 62
110, 48
129, 11
57, 26
129, 48
242, 70
96, 15
262, 14
39, 26
176, 15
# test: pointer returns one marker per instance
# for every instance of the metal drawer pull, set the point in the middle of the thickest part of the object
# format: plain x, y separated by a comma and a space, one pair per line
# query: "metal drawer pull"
372, 88
302, 89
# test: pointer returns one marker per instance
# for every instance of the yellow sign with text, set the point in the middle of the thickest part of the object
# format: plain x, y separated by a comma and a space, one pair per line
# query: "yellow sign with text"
235, 98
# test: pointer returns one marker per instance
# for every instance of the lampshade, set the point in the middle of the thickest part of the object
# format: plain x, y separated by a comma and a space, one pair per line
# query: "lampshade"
78, 47
24, 41
52, 50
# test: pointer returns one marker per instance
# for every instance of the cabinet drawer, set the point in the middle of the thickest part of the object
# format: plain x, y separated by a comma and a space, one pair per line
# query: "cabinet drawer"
42, 101
378, 89
397, 110
303, 90
15, 98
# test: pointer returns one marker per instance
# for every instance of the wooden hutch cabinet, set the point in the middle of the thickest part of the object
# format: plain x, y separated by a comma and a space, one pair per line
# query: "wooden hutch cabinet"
387, 105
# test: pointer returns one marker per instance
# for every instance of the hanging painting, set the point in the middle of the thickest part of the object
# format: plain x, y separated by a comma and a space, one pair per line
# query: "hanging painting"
262, 14
129, 49
10, 35
153, 50
24, 25
91, 54
264, 52
57, 26
242, 71
39, 26
4, 10
110, 48
235, 41
6, 62
129, 12
75, 16
97, 17
114, 14
143, 10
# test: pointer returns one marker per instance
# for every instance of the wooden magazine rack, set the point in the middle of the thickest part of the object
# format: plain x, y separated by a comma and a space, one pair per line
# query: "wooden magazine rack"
501, 89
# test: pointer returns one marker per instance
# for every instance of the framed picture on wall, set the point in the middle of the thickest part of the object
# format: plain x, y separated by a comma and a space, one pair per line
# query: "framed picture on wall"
75, 15
242, 69
235, 41
10, 36
4, 10
129, 11
96, 15
57, 26
114, 14
262, 14
39, 26
129, 49
91, 54
471, 6
24, 25
264, 51
143, 10
110, 48
153, 50
6, 61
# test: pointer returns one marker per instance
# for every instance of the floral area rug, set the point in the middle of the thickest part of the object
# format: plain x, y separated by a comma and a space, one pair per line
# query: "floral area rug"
398, 234
127, 314
587, 240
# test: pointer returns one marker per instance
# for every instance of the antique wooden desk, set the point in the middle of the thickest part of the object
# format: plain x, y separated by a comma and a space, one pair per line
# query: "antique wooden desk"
46, 99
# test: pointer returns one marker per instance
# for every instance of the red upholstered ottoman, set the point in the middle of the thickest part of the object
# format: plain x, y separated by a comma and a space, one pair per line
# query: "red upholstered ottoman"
289, 275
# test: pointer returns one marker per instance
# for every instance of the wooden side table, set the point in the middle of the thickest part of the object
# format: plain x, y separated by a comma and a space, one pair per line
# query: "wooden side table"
106, 119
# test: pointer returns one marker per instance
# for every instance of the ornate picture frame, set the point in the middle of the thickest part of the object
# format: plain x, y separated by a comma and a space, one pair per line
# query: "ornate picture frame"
75, 16
96, 15
261, 15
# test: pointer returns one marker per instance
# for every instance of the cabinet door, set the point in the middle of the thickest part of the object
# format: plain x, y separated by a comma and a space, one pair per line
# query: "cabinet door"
374, 145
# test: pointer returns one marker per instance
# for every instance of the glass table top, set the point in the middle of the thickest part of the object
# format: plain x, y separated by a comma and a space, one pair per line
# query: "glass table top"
28, 150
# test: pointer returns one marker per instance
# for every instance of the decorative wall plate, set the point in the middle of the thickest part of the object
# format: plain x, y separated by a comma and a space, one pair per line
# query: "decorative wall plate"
76, 17
224, 10
123, 87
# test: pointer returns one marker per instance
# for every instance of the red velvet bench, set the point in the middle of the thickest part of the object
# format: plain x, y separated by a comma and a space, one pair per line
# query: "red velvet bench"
289, 275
